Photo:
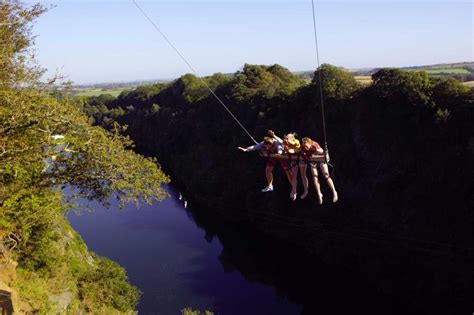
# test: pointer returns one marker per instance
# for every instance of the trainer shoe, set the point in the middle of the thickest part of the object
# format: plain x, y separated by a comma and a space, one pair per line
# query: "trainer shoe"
267, 189
293, 196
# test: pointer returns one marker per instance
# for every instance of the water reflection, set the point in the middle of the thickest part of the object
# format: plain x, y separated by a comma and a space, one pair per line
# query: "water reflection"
296, 276
173, 262
186, 257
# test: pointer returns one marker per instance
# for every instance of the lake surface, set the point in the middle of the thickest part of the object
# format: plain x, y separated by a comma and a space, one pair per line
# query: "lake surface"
179, 258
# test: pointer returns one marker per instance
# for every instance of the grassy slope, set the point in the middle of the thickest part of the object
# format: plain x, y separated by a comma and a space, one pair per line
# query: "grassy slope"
96, 92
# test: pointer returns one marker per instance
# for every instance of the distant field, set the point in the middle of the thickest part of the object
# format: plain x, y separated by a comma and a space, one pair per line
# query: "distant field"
469, 84
468, 66
96, 92
363, 79
448, 70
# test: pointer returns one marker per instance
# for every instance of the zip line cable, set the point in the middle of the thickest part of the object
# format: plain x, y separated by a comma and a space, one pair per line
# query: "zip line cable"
319, 77
194, 71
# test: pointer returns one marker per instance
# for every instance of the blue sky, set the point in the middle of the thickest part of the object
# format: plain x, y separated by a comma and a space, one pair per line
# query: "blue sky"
110, 41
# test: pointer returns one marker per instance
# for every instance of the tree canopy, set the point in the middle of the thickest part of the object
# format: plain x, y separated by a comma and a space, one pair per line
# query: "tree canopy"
336, 82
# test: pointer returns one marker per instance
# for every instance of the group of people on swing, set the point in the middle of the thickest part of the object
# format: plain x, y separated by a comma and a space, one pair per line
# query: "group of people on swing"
290, 147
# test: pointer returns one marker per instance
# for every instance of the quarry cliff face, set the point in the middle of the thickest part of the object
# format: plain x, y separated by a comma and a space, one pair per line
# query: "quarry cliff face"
401, 147
65, 287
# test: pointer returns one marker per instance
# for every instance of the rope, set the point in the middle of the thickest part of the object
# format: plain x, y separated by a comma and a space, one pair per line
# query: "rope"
194, 71
320, 81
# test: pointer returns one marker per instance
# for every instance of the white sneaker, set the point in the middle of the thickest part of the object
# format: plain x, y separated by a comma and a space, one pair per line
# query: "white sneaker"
267, 189
293, 196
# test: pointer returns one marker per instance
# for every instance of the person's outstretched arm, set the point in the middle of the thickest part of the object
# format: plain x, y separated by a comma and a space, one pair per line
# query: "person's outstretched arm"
255, 147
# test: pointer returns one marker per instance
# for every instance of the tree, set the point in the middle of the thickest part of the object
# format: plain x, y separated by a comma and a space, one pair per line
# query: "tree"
16, 57
448, 92
337, 83
47, 143
412, 87
264, 82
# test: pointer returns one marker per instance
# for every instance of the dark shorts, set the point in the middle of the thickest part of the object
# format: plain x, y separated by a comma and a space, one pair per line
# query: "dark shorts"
310, 164
271, 162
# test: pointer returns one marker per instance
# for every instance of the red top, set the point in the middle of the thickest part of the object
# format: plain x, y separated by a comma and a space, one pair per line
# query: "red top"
315, 147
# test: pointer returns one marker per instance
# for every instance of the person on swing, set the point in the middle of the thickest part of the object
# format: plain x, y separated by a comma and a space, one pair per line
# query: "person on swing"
308, 149
271, 144
291, 147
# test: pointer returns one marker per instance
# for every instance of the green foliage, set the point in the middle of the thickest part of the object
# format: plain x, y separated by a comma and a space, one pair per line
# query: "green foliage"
413, 86
155, 108
191, 88
16, 57
96, 284
190, 311
34, 290
337, 83
257, 81
448, 92
91, 92
217, 80
95, 161
397, 136
141, 95
442, 115
47, 143
448, 71
32, 218
106, 284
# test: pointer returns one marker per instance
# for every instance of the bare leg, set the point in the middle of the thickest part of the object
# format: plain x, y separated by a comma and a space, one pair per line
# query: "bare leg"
289, 176
314, 172
269, 175
294, 181
325, 170
304, 179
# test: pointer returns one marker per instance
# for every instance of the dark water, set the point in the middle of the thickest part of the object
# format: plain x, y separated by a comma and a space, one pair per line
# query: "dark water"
180, 259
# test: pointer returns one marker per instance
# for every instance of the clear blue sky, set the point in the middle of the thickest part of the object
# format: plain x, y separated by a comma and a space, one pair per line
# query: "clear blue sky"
110, 41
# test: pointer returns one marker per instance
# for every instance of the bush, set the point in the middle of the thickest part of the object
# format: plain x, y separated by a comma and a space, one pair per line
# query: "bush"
106, 284
190, 311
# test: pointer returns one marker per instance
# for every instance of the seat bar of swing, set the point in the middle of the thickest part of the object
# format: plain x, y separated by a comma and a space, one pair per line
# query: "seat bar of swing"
295, 157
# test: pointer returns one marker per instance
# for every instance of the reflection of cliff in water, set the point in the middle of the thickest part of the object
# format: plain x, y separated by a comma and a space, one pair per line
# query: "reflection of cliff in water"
339, 280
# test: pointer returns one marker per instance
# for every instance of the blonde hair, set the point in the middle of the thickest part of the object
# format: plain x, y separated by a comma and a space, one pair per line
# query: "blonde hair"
291, 135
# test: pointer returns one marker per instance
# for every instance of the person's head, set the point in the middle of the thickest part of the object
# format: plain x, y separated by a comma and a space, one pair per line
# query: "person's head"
267, 142
307, 142
290, 137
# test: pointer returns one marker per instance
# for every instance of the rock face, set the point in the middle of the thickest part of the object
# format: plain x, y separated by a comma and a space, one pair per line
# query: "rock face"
62, 300
6, 304
77, 281
9, 302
